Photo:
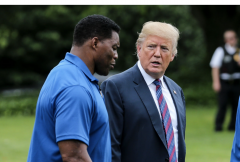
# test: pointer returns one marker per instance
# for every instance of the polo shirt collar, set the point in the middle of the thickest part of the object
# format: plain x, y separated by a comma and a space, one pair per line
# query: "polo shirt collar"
148, 79
81, 65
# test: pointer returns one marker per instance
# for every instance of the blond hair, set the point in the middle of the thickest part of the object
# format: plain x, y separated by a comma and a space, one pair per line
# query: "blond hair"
160, 29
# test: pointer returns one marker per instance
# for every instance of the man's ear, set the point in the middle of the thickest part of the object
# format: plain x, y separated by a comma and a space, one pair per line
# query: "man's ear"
94, 42
138, 49
172, 57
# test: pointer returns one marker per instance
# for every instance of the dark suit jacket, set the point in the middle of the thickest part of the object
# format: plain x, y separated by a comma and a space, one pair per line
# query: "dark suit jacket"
137, 133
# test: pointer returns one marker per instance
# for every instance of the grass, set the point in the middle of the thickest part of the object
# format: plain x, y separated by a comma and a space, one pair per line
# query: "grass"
15, 136
203, 144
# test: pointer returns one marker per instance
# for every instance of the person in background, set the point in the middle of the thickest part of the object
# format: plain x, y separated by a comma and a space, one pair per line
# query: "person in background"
146, 109
235, 154
225, 64
71, 118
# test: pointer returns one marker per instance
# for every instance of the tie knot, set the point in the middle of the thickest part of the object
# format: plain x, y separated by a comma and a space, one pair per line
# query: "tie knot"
157, 82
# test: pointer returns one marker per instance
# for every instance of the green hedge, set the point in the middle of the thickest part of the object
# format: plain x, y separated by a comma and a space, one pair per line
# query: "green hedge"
18, 105
25, 104
200, 95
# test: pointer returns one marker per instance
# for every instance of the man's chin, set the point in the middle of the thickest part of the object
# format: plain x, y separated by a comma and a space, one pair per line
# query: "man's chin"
104, 73
155, 74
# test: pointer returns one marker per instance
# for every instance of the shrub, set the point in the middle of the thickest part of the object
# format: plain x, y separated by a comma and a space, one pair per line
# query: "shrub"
18, 105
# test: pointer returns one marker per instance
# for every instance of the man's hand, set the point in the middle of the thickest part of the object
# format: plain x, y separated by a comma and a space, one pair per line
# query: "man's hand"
216, 81
238, 63
216, 86
74, 151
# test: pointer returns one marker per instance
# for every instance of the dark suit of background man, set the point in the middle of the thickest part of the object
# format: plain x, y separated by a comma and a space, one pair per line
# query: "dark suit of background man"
226, 78
137, 124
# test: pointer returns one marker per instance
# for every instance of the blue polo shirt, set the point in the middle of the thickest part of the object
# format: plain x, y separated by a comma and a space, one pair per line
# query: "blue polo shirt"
70, 107
235, 154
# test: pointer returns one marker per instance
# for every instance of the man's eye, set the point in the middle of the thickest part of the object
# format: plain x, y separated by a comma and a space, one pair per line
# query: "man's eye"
151, 46
165, 48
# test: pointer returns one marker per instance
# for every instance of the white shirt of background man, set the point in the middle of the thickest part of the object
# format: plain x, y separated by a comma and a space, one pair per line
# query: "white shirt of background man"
216, 61
217, 58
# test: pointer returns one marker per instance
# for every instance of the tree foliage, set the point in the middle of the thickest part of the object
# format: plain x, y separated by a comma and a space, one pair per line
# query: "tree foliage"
33, 39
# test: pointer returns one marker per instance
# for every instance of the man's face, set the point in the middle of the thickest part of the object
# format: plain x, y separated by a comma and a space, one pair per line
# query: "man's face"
155, 54
106, 56
230, 38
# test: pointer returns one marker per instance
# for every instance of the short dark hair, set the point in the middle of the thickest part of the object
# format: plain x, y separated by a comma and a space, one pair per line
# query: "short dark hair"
94, 26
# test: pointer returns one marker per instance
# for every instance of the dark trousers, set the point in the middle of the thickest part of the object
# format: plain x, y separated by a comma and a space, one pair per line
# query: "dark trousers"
230, 91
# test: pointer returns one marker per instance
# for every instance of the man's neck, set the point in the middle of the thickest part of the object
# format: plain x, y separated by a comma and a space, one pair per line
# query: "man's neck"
83, 53
233, 46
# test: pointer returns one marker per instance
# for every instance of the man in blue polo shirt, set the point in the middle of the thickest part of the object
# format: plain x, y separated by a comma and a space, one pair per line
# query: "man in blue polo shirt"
71, 118
235, 153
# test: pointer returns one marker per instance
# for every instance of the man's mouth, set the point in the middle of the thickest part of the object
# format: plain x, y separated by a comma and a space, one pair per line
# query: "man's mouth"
112, 66
156, 63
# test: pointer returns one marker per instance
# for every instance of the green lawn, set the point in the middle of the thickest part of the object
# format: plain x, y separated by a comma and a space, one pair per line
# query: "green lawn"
203, 144
15, 136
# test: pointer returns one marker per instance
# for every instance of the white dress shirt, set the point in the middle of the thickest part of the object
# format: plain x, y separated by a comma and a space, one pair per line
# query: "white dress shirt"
217, 58
167, 96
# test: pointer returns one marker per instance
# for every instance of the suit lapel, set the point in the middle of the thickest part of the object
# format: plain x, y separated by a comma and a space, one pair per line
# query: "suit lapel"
175, 96
146, 97
177, 100
172, 90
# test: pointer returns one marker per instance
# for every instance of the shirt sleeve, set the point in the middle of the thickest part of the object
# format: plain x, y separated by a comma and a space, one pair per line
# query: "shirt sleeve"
217, 58
235, 154
73, 114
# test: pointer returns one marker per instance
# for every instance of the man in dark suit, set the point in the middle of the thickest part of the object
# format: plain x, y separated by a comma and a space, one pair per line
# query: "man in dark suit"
147, 109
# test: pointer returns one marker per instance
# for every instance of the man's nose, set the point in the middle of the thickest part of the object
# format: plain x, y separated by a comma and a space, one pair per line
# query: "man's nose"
115, 55
157, 52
